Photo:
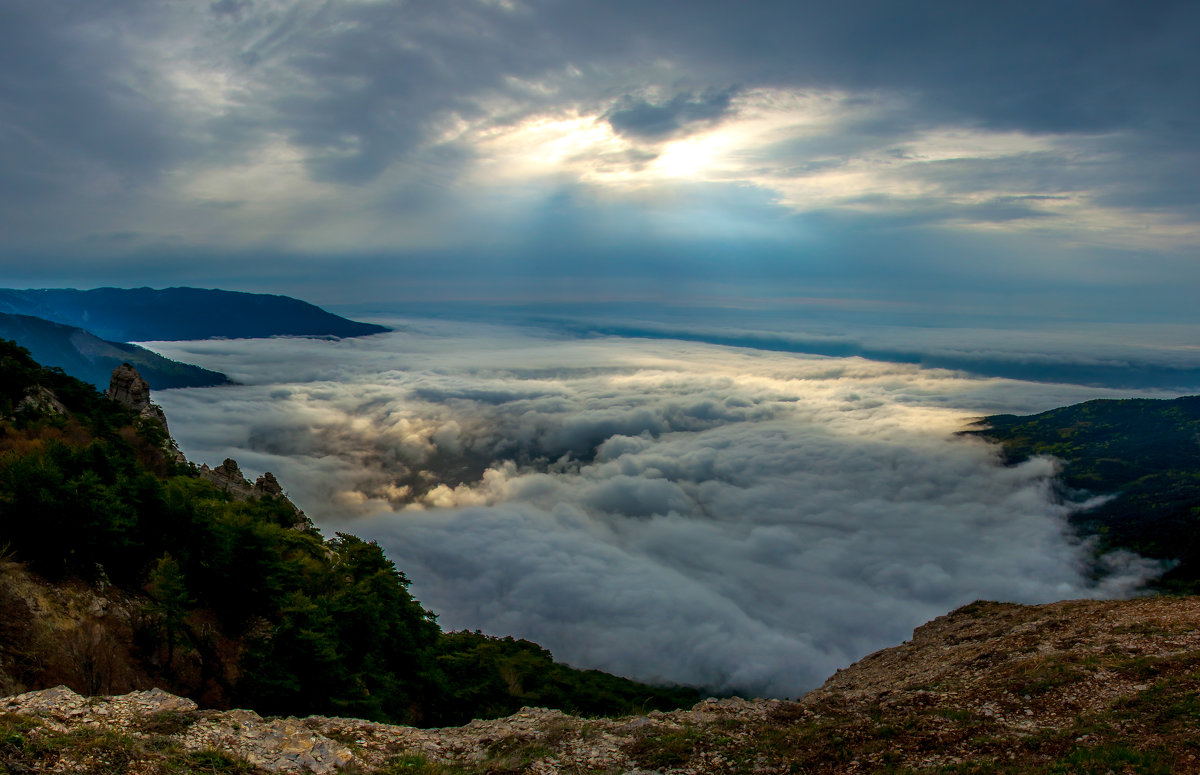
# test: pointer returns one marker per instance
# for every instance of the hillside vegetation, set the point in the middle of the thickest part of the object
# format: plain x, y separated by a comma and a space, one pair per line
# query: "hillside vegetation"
232, 602
1145, 453
1073, 687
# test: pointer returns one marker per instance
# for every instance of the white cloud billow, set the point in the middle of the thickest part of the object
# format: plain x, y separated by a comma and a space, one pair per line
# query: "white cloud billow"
682, 512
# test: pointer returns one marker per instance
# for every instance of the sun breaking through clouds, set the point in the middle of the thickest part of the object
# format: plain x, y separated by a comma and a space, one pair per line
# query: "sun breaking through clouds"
402, 149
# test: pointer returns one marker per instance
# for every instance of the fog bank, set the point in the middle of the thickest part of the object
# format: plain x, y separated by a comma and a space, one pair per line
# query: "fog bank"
743, 520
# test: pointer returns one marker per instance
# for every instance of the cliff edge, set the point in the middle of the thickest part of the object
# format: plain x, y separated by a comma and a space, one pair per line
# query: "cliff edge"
1077, 686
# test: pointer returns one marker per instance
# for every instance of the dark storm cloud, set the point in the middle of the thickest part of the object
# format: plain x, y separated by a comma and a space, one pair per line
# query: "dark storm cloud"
230, 7
643, 119
74, 106
361, 85
1065, 66
271, 128
377, 74
363, 82
919, 211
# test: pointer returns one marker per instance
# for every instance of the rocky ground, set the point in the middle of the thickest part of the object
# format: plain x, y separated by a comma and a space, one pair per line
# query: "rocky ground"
1081, 686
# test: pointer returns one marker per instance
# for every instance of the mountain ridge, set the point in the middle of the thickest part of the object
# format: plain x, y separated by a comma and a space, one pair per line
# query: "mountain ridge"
87, 333
181, 313
90, 358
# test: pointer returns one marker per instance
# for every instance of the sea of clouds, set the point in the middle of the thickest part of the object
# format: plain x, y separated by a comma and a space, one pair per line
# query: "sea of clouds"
741, 520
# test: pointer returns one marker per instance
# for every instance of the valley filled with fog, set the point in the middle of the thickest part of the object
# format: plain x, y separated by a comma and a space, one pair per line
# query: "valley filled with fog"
735, 518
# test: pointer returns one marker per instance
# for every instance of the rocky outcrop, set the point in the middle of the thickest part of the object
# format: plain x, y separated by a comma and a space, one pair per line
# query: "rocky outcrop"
43, 401
228, 477
1081, 686
534, 740
267, 486
127, 387
283, 745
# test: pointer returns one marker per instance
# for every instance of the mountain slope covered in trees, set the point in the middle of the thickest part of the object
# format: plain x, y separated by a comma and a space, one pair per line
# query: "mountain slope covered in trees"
233, 602
91, 359
1144, 453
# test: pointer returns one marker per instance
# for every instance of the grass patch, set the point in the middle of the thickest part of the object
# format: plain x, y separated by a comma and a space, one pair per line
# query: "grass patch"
821, 743
211, 762
1043, 674
1113, 757
417, 764
660, 749
957, 715
514, 754
982, 609
1172, 702
347, 739
558, 732
1139, 667
14, 730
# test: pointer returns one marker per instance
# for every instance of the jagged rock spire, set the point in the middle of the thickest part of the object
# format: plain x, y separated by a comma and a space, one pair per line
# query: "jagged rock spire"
267, 484
229, 477
127, 387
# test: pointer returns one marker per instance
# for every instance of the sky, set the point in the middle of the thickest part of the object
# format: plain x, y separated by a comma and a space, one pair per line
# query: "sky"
1019, 160
736, 519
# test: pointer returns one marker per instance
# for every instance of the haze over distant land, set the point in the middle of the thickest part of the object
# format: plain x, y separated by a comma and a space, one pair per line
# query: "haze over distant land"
136, 314
87, 333
1097, 353
88, 357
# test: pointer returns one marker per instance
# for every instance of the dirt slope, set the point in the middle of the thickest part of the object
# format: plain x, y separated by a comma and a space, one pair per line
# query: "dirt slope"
1078, 686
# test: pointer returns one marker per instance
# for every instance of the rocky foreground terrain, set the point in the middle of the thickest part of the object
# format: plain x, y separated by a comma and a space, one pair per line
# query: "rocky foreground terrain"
1079, 686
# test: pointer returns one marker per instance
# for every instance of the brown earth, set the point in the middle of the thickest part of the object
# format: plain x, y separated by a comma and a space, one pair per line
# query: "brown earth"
1077, 686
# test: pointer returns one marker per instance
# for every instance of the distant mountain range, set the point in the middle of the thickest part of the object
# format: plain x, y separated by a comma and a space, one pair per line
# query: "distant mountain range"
87, 357
173, 314
87, 333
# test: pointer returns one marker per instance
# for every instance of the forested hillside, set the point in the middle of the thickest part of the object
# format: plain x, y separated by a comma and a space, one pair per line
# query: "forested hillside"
233, 602
1145, 453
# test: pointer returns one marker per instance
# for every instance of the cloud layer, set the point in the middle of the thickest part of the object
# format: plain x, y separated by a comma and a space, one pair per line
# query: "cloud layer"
736, 519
